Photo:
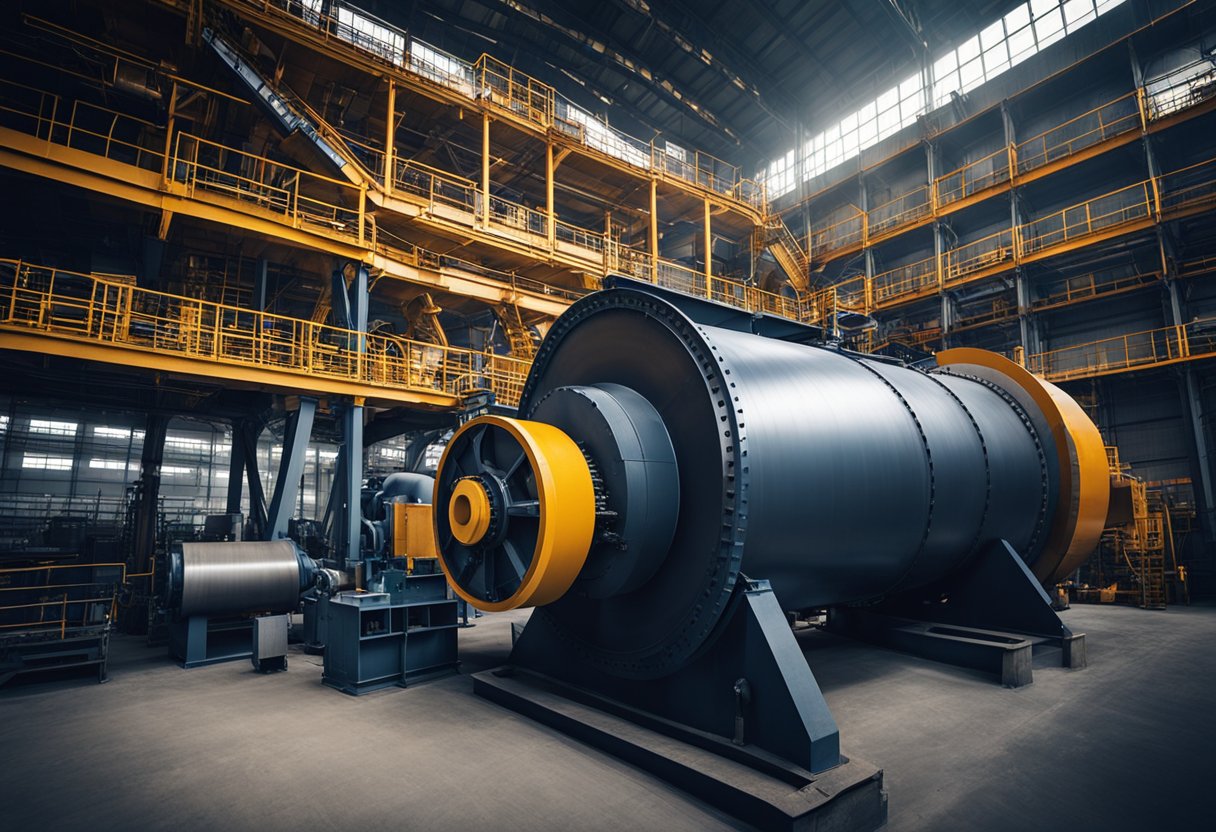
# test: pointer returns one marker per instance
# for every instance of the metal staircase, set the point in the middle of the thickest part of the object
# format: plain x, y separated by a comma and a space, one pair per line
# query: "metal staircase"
779, 241
519, 335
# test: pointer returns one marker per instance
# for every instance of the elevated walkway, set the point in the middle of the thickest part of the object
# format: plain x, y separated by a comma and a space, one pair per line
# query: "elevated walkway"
52, 311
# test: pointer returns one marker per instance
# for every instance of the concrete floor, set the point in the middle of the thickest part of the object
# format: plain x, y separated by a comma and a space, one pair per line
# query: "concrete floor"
1129, 743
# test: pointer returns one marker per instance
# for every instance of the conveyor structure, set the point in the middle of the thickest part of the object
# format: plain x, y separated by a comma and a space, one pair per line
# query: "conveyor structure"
680, 476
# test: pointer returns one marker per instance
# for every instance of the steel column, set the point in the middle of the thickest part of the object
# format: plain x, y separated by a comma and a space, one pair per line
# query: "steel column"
260, 280
1203, 459
151, 457
236, 468
257, 498
291, 468
351, 482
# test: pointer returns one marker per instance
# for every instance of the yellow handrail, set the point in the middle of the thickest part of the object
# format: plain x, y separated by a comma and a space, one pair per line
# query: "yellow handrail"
37, 298
1120, 353
1078, 133
972, 178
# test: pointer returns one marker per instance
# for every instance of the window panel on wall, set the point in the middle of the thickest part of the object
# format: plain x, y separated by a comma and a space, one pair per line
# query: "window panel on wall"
1048, 23
971, 74
945, 76
1023, 31
1020, 35
53, 427
911, 99
996, 49
1077, 13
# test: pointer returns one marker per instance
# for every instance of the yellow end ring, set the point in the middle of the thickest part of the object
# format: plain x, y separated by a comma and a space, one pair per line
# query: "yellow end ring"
1084, 477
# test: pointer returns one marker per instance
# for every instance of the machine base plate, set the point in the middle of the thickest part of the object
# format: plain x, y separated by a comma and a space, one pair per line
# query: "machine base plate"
746, 783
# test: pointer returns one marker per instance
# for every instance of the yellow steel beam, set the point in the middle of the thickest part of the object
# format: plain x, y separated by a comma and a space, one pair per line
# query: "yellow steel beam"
276, 380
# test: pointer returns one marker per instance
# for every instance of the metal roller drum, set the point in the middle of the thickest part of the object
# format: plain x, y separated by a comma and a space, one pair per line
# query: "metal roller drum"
835, 476
229, 578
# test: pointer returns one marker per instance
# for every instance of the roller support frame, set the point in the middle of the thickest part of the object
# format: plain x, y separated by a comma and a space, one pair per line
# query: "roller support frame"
989, 616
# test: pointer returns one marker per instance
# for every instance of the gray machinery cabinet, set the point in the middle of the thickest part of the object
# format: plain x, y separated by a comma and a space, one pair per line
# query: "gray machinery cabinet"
403, 635
269, 643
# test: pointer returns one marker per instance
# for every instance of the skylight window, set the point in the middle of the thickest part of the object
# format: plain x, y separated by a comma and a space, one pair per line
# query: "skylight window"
1027, 29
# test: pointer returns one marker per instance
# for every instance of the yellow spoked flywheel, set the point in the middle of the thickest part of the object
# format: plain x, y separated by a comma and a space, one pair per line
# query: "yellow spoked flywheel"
514, 513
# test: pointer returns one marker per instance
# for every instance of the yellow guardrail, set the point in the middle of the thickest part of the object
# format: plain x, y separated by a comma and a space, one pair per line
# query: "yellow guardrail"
904, 281
58, 599
901, 211
81, 125
322, 204
978, 255
1083, 287
970, 179
844, 229
1102, 213
1136, 350
1077, 134
306, 199
85, 307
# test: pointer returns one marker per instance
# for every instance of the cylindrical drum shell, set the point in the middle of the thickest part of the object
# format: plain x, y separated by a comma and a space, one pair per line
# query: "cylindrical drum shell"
836, 477
230, 578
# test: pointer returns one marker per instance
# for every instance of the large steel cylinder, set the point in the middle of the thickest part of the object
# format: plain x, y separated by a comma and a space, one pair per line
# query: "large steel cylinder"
214, 579
836, 476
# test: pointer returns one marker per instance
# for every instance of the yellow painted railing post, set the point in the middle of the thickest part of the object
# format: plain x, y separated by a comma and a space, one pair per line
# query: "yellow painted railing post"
362, 211
295, 202
169, 130
709, 252
550, 216
485, 168
390, 137
1155, 196
217, 348
654, 230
